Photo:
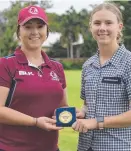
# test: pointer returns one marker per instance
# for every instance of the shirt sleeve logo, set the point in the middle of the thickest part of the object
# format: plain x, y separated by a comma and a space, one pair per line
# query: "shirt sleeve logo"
54, 76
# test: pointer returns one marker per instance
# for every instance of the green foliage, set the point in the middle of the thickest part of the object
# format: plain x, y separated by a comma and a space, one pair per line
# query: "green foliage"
8, 44
69, 29
89, 47
68, 138
57, 51
125, 7
8, 41
70, 25
54, 22
72, 64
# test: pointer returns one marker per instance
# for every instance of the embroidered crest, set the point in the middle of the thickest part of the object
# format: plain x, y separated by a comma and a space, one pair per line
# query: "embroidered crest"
54, 76
33, 10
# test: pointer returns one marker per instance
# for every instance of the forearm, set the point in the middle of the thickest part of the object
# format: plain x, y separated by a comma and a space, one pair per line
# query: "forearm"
118, 121
64, 102
13, 117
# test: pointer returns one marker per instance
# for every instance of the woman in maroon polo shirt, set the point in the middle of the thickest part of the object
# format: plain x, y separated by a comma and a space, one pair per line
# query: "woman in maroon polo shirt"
39, 88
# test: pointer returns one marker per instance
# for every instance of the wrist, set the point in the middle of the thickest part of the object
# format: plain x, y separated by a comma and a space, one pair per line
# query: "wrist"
100, 122
84, 109
35, 121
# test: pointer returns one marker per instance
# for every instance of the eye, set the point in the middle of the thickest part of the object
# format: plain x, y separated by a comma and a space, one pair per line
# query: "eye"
40, 26
108, 22
97, 23
27, 26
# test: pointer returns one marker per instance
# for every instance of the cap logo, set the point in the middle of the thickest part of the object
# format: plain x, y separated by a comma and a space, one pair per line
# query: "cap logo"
33, 10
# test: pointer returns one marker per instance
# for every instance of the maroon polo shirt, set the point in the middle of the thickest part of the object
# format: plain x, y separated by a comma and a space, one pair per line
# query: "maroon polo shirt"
38, 92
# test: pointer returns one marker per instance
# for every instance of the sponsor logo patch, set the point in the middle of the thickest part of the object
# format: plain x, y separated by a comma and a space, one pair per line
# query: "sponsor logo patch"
25, 73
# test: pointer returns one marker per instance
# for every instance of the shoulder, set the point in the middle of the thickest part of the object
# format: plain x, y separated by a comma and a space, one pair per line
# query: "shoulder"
127, 58
55, 61
9, 57
8, 61
128, 55
123, 53
56, 64
128, 62
89, 61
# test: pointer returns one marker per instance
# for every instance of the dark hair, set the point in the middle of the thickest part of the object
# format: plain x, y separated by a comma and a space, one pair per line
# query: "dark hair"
114, 9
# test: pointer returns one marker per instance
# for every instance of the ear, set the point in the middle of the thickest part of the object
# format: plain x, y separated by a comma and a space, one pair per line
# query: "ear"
120, 26
18, 32
19, 37
47, 32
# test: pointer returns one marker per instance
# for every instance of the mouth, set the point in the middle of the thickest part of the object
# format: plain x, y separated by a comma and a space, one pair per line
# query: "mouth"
103, 34
34, 38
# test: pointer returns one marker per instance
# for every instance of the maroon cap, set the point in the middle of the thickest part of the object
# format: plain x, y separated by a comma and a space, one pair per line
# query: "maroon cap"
31, 12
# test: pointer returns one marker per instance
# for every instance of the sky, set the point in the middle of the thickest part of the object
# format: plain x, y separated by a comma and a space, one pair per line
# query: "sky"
59, 6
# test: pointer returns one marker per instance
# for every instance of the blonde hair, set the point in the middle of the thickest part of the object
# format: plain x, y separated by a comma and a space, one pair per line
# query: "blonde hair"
115, 10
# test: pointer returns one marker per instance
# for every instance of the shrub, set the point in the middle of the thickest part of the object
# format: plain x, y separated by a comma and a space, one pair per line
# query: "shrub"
72, 64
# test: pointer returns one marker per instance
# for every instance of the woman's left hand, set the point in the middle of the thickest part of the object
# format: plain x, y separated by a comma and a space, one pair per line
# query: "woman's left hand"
83, 125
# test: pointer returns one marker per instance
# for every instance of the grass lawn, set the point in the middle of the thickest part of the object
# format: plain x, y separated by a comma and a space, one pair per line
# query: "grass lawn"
68, 138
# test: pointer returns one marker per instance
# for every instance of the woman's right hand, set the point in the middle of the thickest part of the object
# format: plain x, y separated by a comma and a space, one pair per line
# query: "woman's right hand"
47, 124
80, 114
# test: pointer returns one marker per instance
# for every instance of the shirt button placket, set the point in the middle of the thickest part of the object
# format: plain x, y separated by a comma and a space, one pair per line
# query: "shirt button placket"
40, 73
96, 92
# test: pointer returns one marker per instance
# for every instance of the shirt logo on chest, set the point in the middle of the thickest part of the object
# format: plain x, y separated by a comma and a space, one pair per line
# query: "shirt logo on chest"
54, 76
25, 73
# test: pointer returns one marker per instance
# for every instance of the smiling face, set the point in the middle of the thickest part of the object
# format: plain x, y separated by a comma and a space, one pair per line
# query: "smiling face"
32, 34
105, 27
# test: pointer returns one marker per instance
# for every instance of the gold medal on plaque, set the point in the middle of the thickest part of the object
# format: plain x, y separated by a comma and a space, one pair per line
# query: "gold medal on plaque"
65, 117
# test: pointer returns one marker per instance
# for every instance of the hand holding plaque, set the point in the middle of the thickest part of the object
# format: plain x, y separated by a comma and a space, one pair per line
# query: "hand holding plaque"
65, 116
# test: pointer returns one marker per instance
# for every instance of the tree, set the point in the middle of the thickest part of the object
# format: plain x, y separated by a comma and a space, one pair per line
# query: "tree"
125, 7
70, 29
53, 21
89, 47
57, 51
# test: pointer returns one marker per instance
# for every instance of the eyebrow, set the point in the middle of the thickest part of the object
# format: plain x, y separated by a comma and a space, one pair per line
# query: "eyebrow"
100, 20
39, 23
32, 22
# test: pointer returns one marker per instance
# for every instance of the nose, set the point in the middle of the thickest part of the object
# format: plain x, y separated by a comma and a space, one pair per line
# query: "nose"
102, 27
34, 31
